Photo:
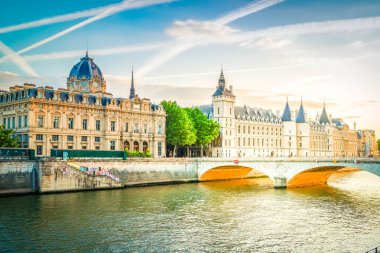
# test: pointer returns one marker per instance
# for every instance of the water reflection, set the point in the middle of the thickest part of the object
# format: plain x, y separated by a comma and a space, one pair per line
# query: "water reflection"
229, 216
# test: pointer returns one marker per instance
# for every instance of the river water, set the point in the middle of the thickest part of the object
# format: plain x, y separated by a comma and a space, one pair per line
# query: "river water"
230, 216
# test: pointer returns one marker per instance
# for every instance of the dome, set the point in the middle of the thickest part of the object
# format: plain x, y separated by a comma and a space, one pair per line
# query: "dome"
86, 68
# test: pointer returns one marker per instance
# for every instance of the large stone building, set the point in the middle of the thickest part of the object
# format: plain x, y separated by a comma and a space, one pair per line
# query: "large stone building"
256, 132
82, 116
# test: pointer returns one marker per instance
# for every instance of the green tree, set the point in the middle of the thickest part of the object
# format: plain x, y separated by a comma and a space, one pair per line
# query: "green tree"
6, 138
206, 129
378, 144
179, 127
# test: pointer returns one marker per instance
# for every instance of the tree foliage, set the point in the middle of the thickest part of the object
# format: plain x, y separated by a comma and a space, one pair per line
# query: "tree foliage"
378, 144
206, 129
179, 126
6, 138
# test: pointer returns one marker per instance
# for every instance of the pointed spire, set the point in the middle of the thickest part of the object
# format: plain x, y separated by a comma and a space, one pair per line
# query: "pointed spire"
286, 115
222, 81
87, 48
324, 119
132, 90
301, 114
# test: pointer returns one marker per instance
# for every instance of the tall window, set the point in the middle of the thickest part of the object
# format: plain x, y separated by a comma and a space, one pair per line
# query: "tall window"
97, 125
40, 121
113, 126
126, 127
25, 120
145, 128
19, 121
159, 129
71, 123
13, 122
39, 137
159, 145
136, 128
39, 149
4, 122
56, 122
113, 145
84, 124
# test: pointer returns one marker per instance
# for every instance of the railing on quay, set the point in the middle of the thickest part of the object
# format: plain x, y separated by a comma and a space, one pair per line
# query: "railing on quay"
17, 153
374, 250
80, 153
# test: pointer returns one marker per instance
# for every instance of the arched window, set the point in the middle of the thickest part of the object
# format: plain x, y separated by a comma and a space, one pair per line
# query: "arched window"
126, 145
145, 146
135, 146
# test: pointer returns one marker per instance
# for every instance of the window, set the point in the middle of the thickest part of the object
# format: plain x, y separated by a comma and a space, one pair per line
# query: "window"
159, 129
69, 147
97, 148
40, 121
136, 128
39, 137
71, 123
25, 120
39, 149
84, 138
218, 111
56, 122
55, 147
126, 127
159, 145
145, 128
97, 139
13, 122
55, 137
70, 138
84, 124
19, 121
4, 122
97, 125
113, 145
113, 126
84, 147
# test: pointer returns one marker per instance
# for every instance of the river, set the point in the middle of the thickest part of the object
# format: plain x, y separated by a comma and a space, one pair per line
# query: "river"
230, 216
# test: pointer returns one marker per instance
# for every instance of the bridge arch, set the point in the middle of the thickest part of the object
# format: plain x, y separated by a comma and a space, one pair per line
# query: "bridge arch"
229, 172
321, 174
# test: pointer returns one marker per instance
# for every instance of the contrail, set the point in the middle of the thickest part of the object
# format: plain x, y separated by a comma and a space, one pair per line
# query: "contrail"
95, 52
345, 25
181, 46
108, 12
17, 59
57, 19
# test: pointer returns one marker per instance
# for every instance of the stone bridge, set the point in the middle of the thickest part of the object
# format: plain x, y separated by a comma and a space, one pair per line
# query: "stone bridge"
283, 172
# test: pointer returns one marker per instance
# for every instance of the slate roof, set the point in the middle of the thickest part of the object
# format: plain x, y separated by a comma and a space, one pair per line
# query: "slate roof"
86, 68
286, 115
301, 115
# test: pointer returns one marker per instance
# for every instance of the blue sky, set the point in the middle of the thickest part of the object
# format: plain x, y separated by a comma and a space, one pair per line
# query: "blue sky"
269, 50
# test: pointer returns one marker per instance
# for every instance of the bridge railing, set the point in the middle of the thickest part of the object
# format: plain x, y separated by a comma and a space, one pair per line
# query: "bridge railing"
374, 250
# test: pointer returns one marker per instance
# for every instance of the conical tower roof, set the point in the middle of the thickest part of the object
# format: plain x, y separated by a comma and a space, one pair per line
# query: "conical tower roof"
324, 119
286, 115
301, 115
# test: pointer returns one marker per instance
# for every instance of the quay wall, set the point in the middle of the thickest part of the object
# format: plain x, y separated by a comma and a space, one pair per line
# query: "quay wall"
18, 177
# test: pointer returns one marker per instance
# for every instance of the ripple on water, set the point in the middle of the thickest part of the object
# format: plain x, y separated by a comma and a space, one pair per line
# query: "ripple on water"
231, 216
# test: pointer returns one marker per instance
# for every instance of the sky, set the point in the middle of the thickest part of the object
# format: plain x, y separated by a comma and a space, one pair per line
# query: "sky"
269, 50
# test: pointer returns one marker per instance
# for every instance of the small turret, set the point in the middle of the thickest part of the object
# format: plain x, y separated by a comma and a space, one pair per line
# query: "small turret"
286, 115
324, 119
301, 115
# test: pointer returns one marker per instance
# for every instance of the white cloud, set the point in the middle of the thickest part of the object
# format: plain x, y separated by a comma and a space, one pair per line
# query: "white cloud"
193, 30
181, 30
267, 43
357, 44
94, 52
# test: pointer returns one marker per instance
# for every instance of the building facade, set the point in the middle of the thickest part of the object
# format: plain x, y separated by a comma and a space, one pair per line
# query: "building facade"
82, 116
257, 132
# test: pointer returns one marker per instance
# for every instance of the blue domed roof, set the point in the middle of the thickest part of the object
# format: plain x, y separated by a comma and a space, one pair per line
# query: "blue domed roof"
86, 68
